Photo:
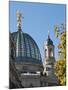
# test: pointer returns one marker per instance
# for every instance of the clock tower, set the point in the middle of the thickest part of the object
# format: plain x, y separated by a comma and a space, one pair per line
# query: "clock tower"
49, 61
49, 57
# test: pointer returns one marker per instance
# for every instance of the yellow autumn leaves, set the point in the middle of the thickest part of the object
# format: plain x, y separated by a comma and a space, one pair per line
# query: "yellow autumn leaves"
60, 65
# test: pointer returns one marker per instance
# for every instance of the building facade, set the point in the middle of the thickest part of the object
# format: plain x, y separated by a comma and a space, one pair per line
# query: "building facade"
31, 71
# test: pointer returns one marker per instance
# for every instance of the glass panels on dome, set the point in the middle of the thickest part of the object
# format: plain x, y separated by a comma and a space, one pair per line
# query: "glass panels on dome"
32, 49
20, 45
26, 46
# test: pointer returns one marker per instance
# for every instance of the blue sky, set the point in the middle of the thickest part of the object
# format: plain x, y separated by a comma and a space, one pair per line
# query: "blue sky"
38, 19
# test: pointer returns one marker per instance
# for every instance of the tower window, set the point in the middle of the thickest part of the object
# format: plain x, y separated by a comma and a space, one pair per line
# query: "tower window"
50, 52
45, 52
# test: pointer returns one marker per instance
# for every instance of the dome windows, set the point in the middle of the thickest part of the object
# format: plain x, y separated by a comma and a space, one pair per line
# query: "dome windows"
26, 47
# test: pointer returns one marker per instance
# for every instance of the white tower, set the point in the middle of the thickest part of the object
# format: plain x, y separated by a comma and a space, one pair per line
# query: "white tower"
49, 57
49, 61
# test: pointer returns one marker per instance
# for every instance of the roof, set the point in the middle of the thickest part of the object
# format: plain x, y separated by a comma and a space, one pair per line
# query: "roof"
26, 48
49, 41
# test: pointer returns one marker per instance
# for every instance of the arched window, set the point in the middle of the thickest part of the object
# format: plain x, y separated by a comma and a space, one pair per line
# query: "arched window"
45, 52
51, 52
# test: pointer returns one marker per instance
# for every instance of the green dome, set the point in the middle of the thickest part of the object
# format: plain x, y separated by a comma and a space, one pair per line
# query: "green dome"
26, 48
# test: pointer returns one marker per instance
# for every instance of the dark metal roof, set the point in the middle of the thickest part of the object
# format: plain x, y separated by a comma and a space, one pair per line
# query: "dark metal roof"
49, 41
26, 48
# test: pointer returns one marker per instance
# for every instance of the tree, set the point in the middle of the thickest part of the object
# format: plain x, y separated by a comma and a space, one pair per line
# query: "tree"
60, 65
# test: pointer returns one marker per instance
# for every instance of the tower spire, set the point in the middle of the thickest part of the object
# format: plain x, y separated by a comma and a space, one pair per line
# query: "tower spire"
19, 19
48, 33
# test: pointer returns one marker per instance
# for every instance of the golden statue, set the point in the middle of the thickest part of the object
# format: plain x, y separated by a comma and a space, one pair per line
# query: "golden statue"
19, 18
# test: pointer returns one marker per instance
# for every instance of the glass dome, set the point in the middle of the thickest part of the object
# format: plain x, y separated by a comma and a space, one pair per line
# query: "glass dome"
26, 48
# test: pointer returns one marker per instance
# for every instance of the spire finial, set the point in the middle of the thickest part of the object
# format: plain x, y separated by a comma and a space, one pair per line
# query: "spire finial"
48, 32
19, 19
